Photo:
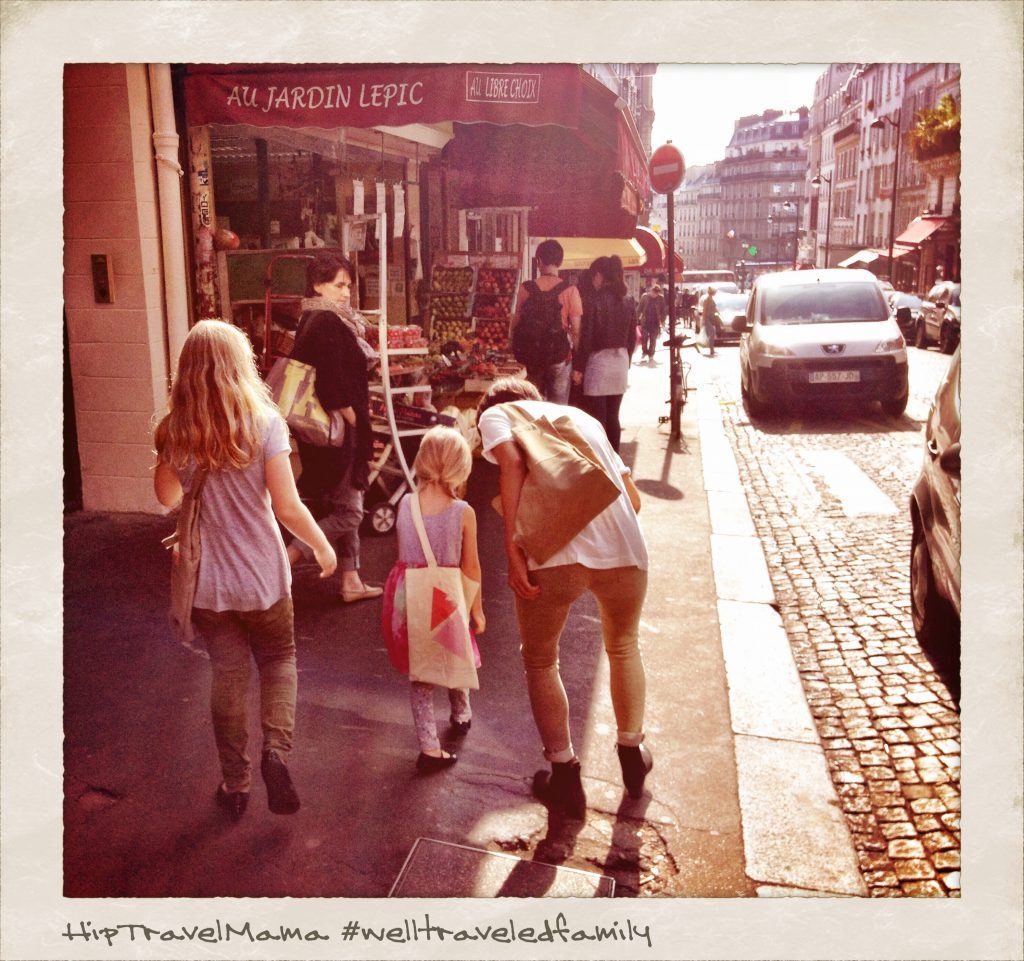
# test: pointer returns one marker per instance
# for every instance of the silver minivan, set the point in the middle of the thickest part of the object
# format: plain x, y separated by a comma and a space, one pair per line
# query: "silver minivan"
818, 335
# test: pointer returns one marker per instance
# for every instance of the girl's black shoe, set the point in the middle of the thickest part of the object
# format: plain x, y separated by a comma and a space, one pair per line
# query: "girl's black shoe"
234, 802
636, 763
428, 763
460, 728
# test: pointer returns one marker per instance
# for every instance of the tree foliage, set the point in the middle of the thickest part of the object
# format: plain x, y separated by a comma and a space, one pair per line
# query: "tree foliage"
936, 131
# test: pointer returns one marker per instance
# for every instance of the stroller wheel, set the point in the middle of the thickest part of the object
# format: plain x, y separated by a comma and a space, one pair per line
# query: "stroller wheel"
381, 518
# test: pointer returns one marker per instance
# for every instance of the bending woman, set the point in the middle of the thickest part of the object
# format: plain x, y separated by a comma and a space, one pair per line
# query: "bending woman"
330, 337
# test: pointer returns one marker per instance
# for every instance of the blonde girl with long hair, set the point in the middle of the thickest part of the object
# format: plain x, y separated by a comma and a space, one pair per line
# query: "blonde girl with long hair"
221, 423
442, 466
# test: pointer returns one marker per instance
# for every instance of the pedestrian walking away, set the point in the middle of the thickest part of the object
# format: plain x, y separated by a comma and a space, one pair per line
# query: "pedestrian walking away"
709, 319
546, 325
607, 339
608, 558
442, 467
331, 338
223, 435
653, 311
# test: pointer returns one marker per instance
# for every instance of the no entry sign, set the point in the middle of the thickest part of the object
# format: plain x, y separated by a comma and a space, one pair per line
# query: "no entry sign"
666, 168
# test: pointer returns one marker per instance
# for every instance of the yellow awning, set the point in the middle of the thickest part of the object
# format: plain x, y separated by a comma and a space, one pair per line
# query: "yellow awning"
581, 252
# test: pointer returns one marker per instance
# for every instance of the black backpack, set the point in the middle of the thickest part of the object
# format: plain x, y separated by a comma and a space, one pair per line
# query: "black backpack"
540, 339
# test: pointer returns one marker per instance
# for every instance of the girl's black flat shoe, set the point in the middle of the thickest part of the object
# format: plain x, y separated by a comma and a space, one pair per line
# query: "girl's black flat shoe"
233, 802
460, 728
429, 763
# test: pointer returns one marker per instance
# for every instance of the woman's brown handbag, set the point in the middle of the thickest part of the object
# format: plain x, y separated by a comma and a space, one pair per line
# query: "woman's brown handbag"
184, 545
566, 487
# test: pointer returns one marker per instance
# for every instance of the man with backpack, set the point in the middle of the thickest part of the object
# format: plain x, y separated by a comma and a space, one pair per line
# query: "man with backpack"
546, 322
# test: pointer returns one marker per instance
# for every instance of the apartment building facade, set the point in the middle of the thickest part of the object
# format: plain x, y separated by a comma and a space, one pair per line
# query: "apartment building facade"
761, 187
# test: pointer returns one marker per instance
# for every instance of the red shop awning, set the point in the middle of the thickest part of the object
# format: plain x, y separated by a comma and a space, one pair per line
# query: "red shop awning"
920, 229
653, 246
581, 181
542, 135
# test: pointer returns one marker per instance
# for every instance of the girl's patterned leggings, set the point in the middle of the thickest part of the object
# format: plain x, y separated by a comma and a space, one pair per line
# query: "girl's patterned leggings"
422, 697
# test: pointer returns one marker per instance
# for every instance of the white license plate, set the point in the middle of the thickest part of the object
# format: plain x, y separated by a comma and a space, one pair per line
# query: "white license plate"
834, 377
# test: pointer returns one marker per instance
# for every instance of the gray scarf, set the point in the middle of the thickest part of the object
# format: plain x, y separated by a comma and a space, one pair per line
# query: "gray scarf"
352, 320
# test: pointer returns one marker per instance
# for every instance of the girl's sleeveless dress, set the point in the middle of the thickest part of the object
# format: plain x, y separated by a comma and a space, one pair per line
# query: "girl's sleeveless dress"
444, 531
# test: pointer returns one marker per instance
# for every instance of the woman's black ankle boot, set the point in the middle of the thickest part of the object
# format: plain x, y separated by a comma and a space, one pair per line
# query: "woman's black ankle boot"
562, 789
636, 763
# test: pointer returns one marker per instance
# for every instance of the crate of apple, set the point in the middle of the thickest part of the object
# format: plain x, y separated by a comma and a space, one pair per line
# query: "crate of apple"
495, 306
494, 280
448, 306
449, 328
492, 334
457, 280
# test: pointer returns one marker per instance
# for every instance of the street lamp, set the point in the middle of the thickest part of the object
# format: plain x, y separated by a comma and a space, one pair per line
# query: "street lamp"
788, 205
816, 185
879, 124
774, 236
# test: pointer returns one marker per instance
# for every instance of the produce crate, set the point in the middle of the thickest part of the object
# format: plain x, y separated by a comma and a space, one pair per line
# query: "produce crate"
454, 280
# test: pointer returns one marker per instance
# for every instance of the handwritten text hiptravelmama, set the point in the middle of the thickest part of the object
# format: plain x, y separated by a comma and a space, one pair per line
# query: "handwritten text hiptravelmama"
406, 931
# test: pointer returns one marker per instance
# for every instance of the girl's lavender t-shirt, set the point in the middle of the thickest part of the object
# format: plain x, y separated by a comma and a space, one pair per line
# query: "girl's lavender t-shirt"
444, 531
243, 565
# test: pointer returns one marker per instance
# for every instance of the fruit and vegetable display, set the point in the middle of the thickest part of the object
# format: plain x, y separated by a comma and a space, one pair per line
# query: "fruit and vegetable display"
455, 280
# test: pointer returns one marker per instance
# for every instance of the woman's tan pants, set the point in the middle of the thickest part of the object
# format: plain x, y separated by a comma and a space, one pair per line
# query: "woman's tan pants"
620, 595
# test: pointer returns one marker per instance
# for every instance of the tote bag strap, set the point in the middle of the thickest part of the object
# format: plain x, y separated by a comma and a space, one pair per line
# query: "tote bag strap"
417, 520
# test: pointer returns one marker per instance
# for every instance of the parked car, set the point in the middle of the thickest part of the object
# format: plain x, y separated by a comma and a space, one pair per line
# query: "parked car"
935, 515
907, 310
939, 322
732, 312
819, 335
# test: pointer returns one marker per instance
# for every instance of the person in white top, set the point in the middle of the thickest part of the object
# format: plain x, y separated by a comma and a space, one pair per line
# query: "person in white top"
609, 559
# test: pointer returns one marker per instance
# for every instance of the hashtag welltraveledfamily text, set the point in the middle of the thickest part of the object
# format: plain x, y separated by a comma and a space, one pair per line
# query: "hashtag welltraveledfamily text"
407, 932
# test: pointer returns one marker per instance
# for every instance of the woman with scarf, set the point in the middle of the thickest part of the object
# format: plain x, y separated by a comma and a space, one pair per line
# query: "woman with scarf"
331, 337
607, 339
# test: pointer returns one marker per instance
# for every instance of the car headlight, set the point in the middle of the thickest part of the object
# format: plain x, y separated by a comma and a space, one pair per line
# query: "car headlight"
776, 350
891, 345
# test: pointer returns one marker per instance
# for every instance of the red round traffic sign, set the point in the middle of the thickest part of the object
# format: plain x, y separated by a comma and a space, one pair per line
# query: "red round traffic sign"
666, 169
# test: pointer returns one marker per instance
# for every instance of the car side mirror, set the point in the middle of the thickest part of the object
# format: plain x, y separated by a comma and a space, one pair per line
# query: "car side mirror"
949, 459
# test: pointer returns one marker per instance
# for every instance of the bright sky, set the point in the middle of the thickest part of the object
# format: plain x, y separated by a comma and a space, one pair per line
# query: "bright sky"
696, 106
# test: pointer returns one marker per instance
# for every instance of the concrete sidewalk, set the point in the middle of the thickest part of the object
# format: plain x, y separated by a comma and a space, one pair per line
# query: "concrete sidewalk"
140, 768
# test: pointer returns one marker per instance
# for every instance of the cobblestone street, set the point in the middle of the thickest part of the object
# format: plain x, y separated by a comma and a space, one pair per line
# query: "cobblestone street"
839, 566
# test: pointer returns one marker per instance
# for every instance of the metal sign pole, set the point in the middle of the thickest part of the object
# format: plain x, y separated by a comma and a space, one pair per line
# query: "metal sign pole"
675, 375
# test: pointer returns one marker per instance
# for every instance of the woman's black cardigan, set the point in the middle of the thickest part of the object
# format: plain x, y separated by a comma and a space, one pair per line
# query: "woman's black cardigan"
342, 380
